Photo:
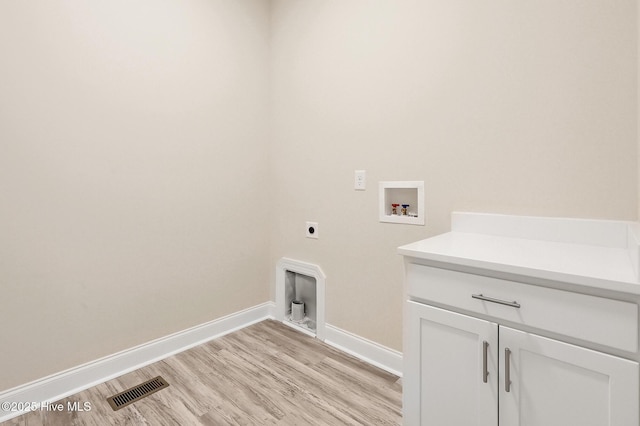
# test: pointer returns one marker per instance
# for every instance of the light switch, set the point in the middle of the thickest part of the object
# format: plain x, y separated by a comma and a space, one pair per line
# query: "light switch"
360, 180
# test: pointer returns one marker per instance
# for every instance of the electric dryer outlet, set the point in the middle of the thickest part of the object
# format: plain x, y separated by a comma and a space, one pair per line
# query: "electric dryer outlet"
312, 230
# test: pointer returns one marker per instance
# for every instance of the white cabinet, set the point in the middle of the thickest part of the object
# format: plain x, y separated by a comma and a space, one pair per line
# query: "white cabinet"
557, 384
523, 321
450, 383
464, 371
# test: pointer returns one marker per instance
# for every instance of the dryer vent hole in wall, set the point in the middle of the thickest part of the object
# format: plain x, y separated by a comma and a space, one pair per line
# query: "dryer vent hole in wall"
303, 283
301, 300
136, 393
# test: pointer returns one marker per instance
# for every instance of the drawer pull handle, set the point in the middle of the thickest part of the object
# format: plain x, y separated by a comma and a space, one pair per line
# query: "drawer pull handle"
507, 370
485, 371
513, 304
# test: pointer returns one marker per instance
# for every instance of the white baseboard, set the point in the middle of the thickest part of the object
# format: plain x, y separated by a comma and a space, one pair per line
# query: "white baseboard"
74, 380
364, 349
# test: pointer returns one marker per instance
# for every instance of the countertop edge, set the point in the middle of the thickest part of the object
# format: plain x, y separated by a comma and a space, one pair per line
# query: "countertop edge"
579, 280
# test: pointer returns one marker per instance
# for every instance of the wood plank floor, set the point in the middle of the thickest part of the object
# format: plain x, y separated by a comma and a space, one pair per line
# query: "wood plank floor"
265, 374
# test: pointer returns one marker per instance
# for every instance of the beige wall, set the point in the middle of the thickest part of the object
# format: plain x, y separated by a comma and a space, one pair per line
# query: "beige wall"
132, 146
135, 199
503, 106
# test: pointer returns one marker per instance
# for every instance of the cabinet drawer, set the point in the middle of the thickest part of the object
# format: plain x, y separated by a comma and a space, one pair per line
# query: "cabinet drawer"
595, 319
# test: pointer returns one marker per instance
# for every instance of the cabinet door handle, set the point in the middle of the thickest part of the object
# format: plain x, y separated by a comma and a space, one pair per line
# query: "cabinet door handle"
507, 370
485, 371
513, 304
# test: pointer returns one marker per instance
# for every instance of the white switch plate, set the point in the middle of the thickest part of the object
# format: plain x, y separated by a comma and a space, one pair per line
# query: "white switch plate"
312, 230
360, 180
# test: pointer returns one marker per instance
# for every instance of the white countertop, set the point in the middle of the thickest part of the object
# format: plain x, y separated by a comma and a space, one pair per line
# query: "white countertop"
607, 267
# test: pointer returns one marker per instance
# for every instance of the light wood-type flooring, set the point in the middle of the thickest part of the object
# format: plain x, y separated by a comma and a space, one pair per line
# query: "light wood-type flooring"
265, 374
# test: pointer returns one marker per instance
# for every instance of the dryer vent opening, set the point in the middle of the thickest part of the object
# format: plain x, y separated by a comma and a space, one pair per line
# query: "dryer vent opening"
300, 296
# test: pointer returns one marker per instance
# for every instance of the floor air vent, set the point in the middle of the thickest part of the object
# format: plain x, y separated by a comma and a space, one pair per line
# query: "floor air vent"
136, 393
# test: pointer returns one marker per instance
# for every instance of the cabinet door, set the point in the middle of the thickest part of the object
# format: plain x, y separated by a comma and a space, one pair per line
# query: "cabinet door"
444, 380
558, 384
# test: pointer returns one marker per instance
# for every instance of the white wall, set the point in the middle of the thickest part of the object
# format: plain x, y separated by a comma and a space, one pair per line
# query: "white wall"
132, 146
499, 106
